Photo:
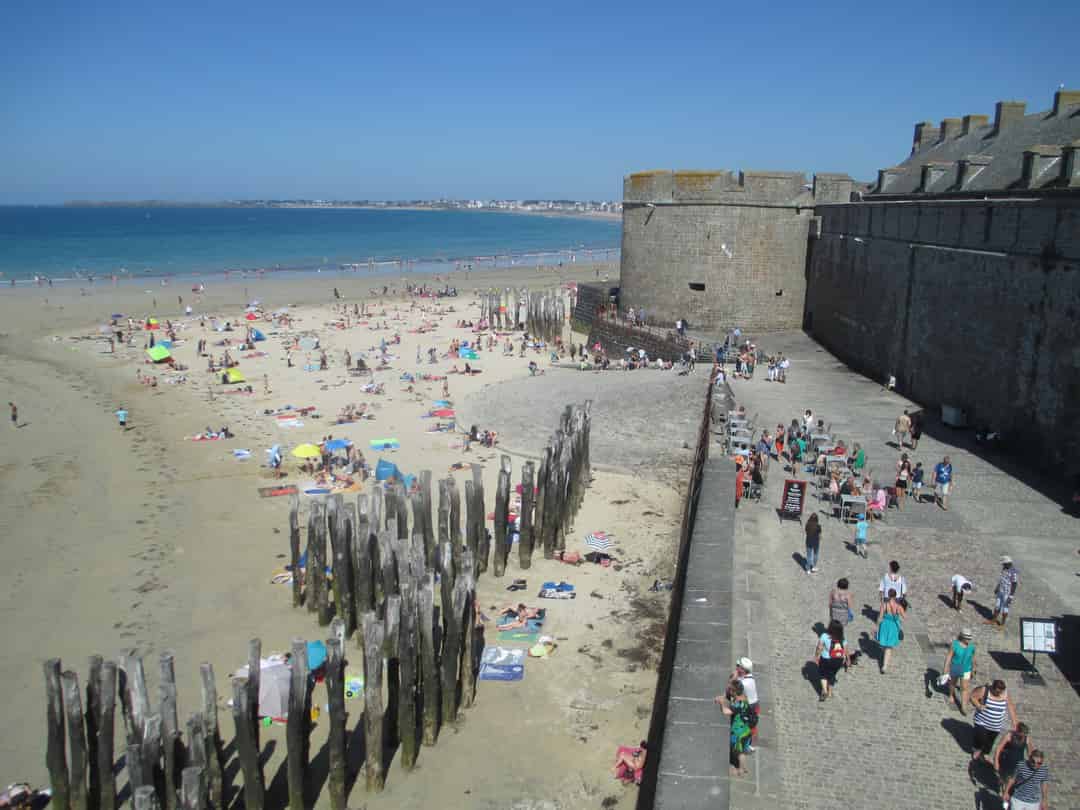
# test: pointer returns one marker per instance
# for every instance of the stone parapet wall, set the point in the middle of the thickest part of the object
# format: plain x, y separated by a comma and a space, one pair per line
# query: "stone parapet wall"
617, 337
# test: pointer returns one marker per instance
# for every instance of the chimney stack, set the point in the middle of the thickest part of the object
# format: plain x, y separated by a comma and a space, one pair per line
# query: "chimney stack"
1007, 113
925, 135
972, 122
1037, 159
950, 128
1070, 165
1063, 99
969, 168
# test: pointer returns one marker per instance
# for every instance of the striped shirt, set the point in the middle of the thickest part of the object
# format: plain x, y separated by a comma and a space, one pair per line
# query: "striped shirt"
992, 715
1028, 784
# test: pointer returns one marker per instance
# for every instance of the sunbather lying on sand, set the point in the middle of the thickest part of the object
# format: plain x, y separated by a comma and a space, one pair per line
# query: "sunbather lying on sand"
521, 615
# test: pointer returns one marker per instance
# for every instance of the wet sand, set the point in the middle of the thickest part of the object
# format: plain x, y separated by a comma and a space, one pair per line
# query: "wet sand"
141, 540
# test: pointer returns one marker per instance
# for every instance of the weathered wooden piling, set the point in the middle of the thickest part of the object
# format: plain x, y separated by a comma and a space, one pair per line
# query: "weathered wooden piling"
347, 611
322, 594
246, 751
502, 518
193, 788
452, 615
426, 527
483, 544
146, 798
335, 693
298, 728
407, 655
469, 640
76, 736
254, 678
91, 719
525, 539
373, 700
214, 756
170, 731
55, 751
429, 673
363, 581
311, 578
105, 736
294, 549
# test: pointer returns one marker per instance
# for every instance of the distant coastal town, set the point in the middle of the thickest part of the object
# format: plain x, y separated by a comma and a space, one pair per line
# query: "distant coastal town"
571, 207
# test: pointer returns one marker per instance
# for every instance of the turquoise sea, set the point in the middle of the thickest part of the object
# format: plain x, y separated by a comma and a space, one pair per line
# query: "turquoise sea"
73, 242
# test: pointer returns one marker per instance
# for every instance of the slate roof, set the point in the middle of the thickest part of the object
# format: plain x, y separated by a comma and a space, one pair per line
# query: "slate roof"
1002, 152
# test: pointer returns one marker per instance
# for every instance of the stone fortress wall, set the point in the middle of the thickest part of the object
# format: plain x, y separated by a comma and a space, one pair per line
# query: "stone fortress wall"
958, 271
740, 240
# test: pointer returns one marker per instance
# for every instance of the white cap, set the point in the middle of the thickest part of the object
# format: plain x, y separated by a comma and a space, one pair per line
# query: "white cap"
745, 663
1006, 559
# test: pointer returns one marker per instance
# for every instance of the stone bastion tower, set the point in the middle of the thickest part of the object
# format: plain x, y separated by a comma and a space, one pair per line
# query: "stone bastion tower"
720, 249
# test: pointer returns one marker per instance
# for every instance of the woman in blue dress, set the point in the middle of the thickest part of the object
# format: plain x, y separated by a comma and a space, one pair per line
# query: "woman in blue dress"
890, 623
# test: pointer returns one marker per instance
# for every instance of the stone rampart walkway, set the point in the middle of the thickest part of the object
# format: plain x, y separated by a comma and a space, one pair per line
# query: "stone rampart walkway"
886, 741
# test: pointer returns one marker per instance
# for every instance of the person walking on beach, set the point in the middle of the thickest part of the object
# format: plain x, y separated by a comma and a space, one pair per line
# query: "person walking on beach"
959, 668
813, 543
890, 624
994, 712
1004, 592
1028, 788
14, 414
122, 417
943, 478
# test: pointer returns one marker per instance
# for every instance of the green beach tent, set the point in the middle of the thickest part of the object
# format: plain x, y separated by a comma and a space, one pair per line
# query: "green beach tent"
234, 376
158, 353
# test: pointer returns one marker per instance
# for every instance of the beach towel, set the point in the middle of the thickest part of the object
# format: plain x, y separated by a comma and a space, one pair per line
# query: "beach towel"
317, 491
202, 437
384, 444
354, 684
502, 664
549, 593
530, 624
564, 587
519, 636
241, 454
385, 470
274, 492
290, 423
498, 672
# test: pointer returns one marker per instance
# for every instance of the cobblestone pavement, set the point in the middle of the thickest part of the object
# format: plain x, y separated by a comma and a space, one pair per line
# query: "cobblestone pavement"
641, 419
887, 741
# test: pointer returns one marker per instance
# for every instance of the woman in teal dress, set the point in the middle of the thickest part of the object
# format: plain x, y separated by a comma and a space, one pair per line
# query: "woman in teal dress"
890, 623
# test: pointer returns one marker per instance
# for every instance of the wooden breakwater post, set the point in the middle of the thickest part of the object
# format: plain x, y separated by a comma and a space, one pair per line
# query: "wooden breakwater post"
479, 512
104, 707
469, 642
429, 678
247, 751
363, 549
525, 538
335, 693
298, 728
76, 736
502, 518
56, 750
374, 634
215, 757
170, 731
294, 549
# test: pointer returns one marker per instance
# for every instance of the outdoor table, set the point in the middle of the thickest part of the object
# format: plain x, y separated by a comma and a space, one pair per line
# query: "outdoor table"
849, 505
826, 449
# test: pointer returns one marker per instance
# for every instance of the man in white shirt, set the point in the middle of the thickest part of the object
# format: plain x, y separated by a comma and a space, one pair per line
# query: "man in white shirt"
960, 585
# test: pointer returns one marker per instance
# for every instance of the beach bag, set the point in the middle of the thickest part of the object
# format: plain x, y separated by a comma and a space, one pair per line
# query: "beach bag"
836, 650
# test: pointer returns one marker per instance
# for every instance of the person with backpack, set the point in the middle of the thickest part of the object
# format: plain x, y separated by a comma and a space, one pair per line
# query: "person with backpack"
832, 656
742, 722
744, 674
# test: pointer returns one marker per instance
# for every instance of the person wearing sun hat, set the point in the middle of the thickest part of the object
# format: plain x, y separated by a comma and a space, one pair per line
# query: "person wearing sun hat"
1004, 591
744, 674
959, 668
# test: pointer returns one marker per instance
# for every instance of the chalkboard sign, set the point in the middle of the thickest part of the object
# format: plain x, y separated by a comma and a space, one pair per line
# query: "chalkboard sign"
791, 502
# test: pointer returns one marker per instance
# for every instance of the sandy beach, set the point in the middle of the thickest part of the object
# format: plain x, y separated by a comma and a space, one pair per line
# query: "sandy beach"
142, 539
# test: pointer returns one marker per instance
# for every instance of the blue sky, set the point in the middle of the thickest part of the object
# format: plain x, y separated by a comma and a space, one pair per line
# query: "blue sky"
198, 100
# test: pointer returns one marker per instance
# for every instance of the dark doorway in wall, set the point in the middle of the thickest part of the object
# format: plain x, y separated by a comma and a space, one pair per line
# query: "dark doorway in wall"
697, 286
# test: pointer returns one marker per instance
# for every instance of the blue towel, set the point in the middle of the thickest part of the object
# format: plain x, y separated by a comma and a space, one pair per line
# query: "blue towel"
498, 672
566, 587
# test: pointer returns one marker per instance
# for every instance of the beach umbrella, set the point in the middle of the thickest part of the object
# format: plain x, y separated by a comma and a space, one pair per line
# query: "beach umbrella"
600, 541
307, 451
251, 316
337, 444
443, 413
158, 353
152, 323
256, 335
384, 444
